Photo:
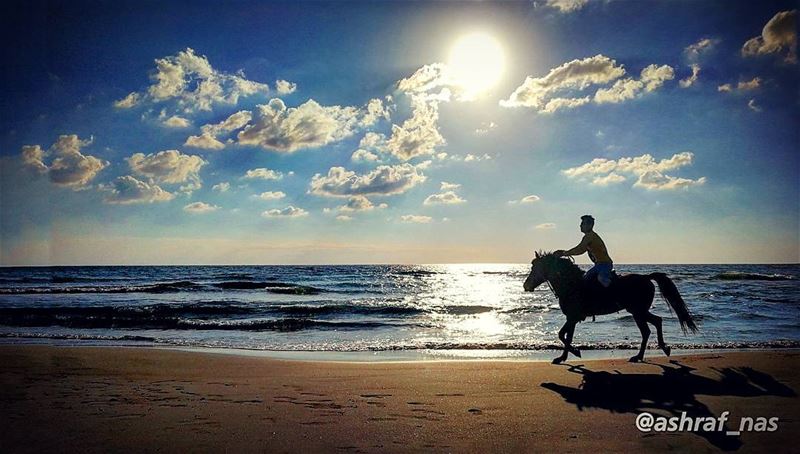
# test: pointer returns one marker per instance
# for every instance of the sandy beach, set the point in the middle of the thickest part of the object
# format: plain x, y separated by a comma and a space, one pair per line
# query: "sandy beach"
101, 399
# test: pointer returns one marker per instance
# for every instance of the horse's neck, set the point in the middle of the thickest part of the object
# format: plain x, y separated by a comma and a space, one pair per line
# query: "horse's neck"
563, 286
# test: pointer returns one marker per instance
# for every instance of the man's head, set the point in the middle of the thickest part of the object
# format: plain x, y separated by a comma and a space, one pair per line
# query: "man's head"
587, 223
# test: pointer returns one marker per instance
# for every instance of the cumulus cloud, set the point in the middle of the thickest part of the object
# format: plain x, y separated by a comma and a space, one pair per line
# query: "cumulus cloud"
651, 78
444, 198
360, 203
193, 83
573, 75
749, 85
169, 166
69, 168
566, 6
527, 199
221, 187
418, 135
288, 212
368, 148
262, 174
373, 112
271, 195
603, 172
363, 156
176, 121
415, 219
545, 226
208, 138
689, 81
779, 36
309, 125
473, 158
284, 87
128, 190
200, 207
383, 180
694, 51
426, 80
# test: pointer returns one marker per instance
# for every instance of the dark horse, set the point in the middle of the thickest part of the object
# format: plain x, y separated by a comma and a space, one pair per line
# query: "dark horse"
579, 299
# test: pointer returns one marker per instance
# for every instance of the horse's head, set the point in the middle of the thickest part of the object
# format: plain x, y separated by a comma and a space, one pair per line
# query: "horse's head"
540, 266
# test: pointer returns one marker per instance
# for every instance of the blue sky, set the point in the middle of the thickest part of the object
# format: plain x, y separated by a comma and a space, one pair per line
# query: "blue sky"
129, 130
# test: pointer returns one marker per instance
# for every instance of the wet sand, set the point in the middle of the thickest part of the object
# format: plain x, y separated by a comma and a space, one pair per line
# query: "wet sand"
101, 399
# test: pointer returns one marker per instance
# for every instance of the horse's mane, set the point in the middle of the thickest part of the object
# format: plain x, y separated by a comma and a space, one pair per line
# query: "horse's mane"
566, 265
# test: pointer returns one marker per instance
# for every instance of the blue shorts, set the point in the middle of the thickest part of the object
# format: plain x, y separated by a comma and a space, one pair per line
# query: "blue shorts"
601, 271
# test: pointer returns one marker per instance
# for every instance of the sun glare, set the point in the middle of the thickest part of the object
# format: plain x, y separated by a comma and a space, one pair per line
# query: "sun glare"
477, 62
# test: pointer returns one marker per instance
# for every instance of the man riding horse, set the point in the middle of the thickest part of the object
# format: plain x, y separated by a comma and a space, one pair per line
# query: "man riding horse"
598, 254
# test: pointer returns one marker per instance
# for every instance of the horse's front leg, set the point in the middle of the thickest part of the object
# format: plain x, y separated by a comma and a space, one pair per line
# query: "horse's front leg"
565, 335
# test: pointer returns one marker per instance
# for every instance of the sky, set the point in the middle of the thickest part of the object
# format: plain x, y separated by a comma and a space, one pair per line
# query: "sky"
398, 132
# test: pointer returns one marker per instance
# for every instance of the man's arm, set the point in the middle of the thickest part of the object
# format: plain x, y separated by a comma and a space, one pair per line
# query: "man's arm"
580, 248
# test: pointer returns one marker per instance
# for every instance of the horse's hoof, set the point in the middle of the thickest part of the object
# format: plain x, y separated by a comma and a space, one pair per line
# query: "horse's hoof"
558, 360
667, 350
635, 359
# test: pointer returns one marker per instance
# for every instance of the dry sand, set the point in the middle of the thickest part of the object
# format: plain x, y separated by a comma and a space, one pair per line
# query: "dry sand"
101, 399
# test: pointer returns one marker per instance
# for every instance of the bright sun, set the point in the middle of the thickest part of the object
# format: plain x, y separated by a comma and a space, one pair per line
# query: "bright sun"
476, 63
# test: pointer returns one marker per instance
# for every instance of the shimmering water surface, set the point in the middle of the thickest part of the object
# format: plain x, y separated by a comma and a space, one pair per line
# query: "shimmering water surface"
481, 308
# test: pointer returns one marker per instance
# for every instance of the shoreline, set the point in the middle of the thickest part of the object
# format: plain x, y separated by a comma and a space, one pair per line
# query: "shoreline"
400, 355
153, 399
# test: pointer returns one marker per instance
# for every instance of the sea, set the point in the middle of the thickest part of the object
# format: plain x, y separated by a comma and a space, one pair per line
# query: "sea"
451, 311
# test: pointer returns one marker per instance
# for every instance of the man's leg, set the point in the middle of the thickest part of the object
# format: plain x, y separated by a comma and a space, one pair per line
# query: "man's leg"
591, 274
604, 274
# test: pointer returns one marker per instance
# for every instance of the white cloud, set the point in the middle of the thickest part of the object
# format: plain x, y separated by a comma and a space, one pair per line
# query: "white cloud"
415, 219
611, 178
360, 203
221, 187
288, 212
545, 226
655, 180
425, 80
649, 171
344, 218
695, 51
471, 157
309, 125
70, 168
200, 207
573, 75
363, 156
127, 190
373, 112
384, 180
566, 6
262, 174
748, 85
205, 141
651, 78
193, 83
778, 36
129, 101
752, 105
176, 121
418, 135
530, 199
271, 195
169, 166
284, 87
689, 81
444, 198
449, 186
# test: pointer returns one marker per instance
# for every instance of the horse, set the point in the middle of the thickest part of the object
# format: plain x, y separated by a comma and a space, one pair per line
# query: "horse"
579, 299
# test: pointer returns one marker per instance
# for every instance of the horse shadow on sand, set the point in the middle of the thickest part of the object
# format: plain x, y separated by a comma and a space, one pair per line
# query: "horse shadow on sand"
670, 393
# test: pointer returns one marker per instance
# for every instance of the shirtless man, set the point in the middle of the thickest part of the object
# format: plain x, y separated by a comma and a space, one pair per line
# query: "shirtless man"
593, 244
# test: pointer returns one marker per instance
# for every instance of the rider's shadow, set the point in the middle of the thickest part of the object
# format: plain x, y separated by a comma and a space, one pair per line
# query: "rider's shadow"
670, 393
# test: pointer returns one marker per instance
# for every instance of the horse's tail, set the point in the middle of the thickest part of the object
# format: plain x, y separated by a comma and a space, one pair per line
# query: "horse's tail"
670, 293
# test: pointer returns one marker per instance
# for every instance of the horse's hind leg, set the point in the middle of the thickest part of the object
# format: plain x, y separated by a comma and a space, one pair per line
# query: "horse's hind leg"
655, 320
641, 322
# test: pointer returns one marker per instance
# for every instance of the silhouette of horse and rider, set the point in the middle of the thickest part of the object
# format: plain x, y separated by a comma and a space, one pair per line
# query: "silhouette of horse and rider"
600, 291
